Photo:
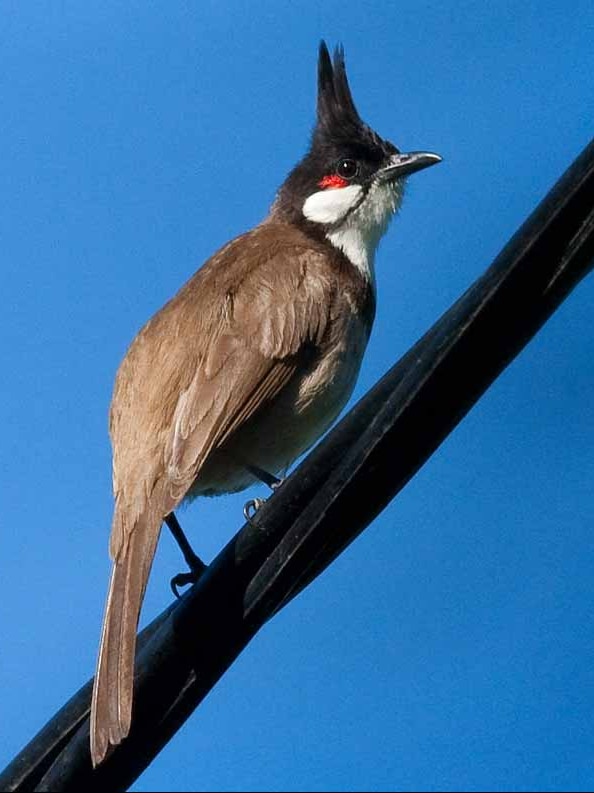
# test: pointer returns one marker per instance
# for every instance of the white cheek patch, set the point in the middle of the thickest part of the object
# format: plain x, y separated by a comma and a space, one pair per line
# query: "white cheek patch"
331, 205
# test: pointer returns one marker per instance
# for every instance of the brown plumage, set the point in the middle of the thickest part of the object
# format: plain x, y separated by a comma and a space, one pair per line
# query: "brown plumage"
248, 363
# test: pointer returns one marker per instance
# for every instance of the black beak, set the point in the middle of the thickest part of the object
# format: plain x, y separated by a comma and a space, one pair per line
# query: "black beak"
405, 164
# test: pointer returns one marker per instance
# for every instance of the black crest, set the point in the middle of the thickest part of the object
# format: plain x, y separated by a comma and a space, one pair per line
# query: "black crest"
337, 116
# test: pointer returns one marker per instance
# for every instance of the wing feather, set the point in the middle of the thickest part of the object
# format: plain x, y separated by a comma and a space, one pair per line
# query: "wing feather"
222, 349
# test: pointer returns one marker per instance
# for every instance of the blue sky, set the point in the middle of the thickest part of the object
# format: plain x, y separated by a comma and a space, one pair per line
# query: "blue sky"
450, 647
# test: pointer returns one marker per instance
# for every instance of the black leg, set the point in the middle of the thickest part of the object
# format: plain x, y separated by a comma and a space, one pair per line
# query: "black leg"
269, 479
194, 562
253, 505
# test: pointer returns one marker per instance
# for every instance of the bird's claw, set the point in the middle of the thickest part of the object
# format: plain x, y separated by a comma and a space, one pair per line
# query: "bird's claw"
183, 579
251, 507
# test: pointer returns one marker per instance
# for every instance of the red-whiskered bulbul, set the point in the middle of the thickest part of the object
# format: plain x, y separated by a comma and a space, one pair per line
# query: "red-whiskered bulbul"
249, 363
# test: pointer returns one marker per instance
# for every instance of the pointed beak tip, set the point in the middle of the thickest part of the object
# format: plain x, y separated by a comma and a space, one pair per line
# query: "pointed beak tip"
410, 162
424, 159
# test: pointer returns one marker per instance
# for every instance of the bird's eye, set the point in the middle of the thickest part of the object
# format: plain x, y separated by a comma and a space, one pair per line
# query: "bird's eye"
347, 169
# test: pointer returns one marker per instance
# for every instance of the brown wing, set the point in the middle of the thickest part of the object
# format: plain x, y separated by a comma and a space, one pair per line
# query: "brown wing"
221, 349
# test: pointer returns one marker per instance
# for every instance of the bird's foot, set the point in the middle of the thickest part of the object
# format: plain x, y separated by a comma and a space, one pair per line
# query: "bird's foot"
194, 562
251, 507
197, 568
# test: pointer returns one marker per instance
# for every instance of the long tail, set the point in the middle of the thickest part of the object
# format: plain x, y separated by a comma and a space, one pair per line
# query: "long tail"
111, 708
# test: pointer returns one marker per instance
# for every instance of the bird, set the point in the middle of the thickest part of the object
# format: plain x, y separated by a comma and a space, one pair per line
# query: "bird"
248, 364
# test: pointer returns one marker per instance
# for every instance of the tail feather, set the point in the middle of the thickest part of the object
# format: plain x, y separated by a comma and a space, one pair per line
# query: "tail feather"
111, 708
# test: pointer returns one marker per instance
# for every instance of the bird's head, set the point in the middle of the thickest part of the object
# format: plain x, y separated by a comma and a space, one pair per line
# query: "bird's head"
350, 182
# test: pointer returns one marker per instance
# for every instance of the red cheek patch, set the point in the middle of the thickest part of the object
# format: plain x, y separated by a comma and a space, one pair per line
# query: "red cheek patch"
334, 180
